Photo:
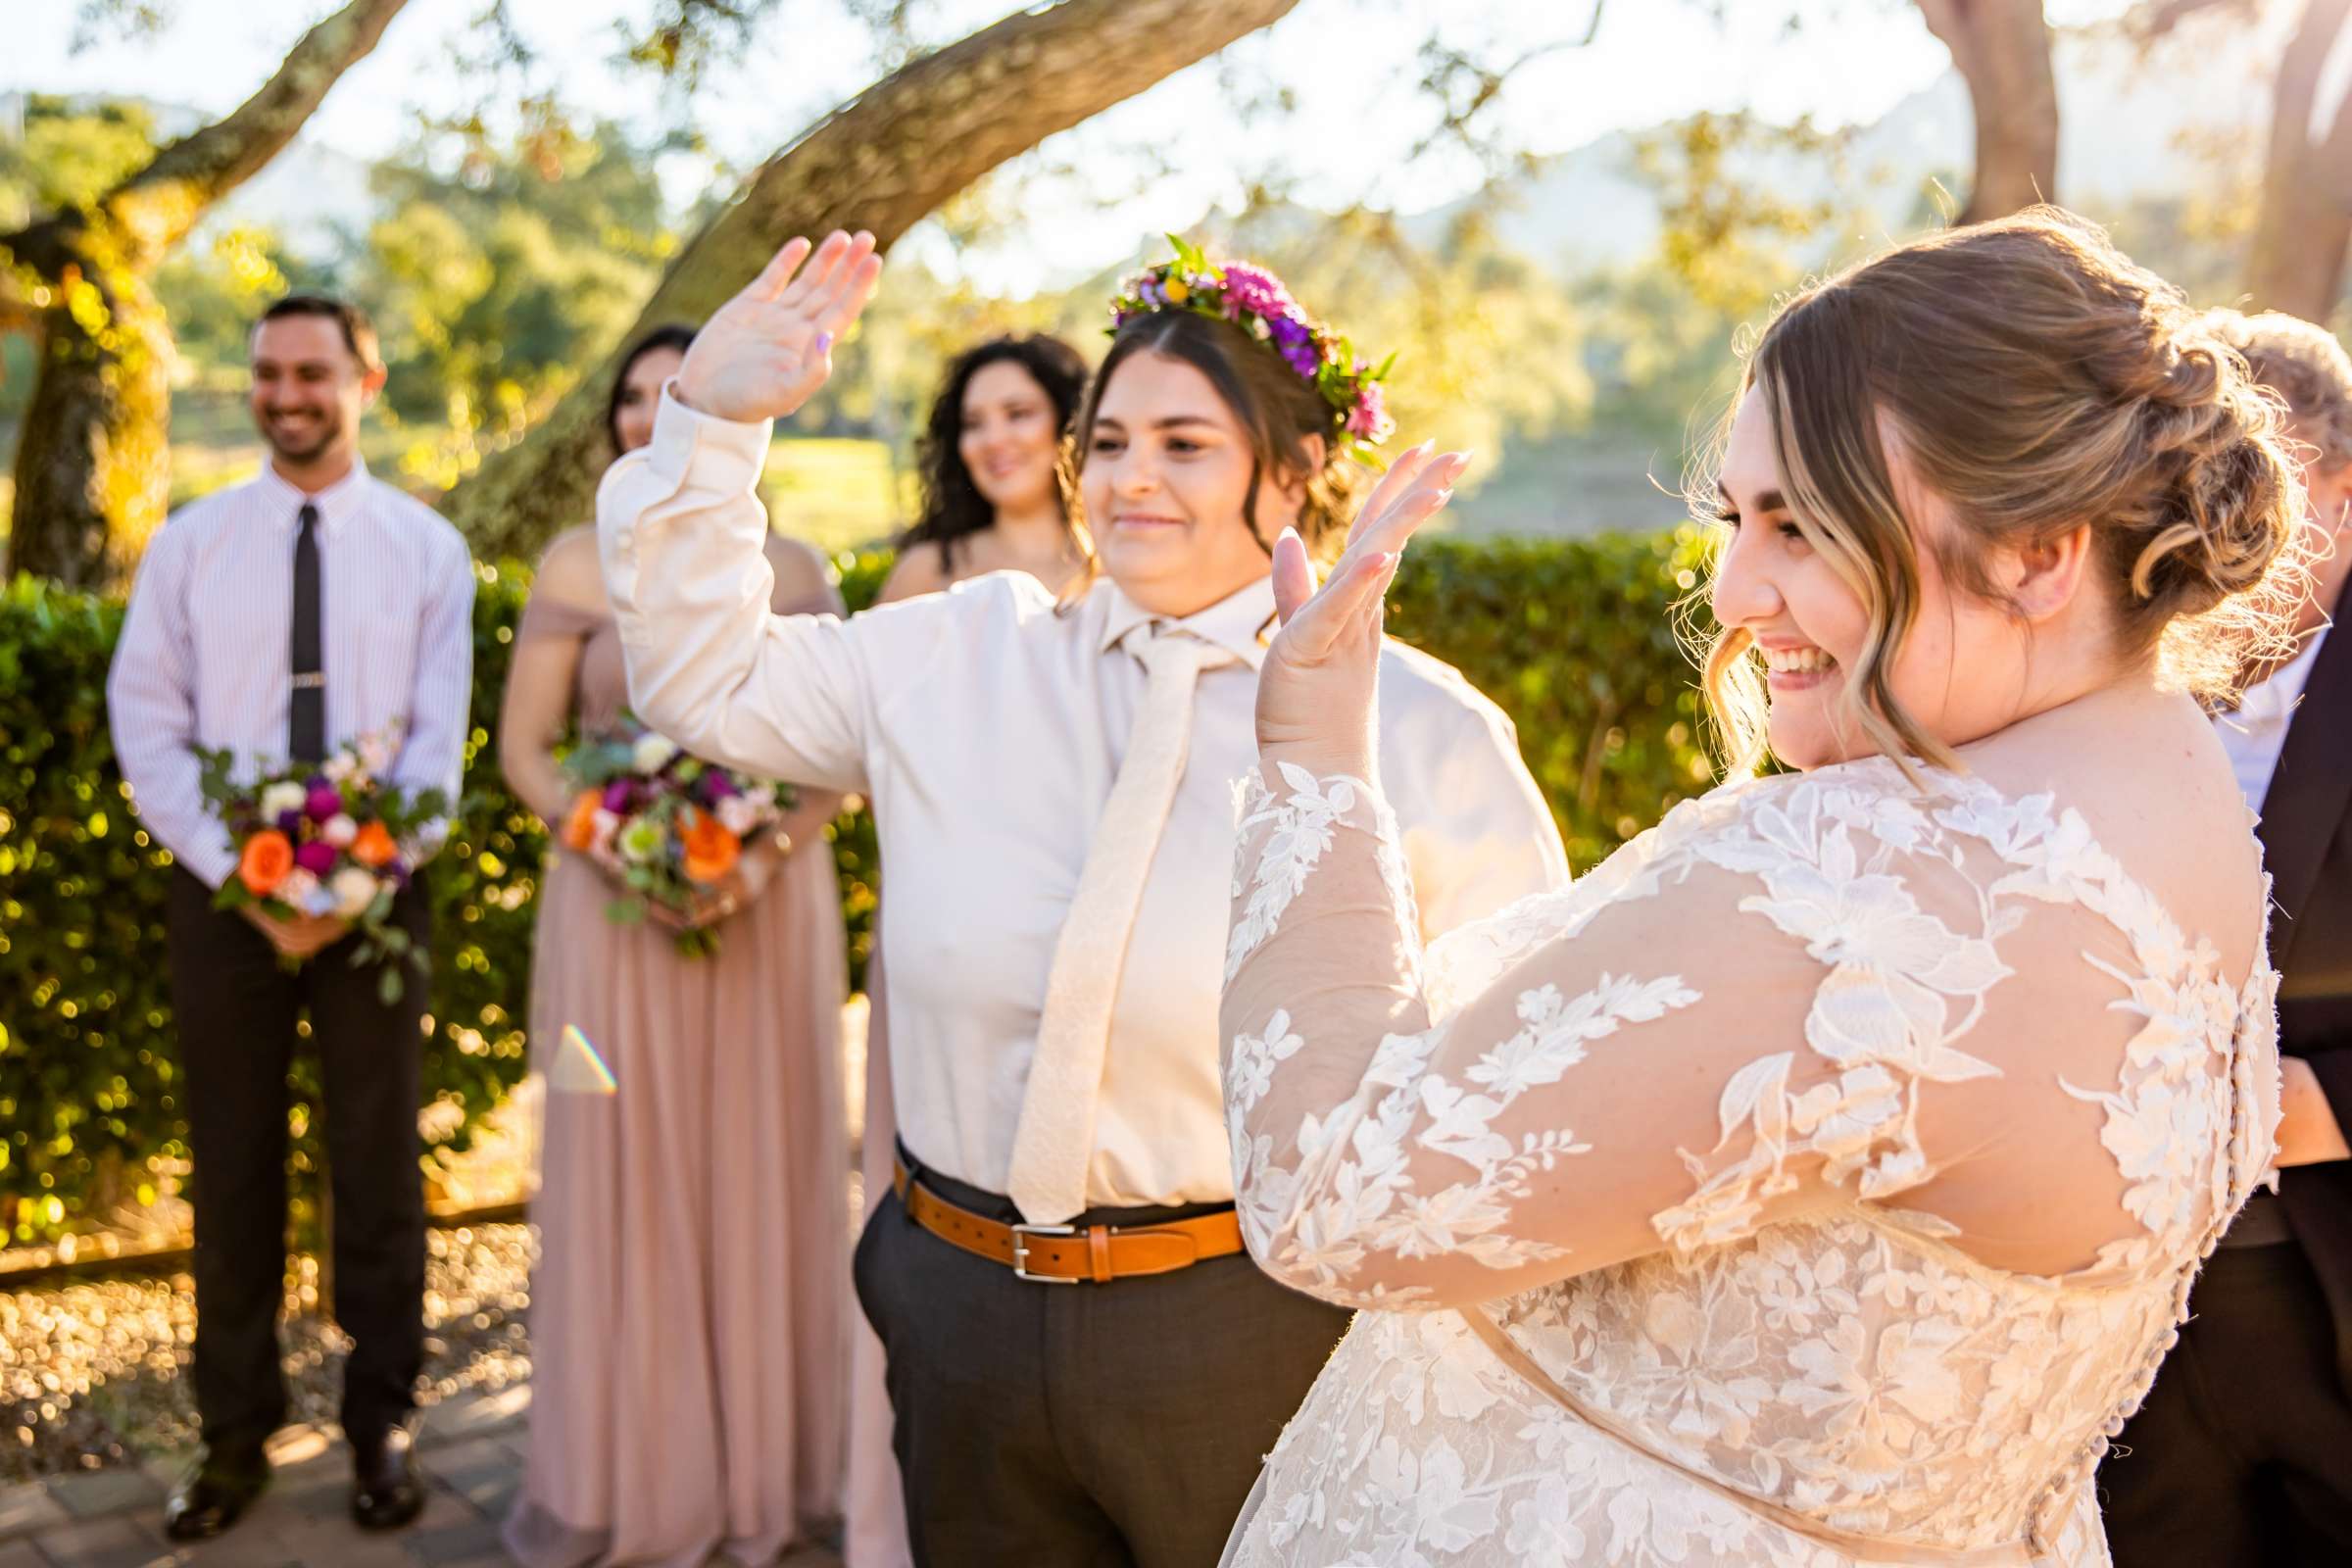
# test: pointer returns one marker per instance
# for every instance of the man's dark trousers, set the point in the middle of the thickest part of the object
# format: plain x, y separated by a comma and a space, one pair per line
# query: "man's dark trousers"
237, 1008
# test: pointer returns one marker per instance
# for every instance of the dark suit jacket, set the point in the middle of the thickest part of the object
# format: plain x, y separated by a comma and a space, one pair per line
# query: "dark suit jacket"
2305, 835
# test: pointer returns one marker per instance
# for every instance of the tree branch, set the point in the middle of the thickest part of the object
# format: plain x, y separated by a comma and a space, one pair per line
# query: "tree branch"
154, 209
1443, 67
882, 162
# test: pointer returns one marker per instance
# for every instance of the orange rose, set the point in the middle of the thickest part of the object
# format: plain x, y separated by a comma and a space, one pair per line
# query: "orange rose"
267, 859
710, 850
579, 828
373, 847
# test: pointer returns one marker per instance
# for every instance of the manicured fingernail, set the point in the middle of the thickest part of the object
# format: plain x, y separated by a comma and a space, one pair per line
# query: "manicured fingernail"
824, 341
1292, 533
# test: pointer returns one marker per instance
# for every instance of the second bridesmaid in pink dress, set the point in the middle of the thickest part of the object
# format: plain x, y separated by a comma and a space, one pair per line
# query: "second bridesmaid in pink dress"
688, 1312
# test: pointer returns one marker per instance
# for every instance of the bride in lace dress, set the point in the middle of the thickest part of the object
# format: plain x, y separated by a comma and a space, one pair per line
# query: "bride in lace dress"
1820, 1179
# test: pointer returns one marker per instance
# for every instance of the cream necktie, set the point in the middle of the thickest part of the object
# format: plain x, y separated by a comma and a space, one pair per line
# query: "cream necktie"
1055, 1142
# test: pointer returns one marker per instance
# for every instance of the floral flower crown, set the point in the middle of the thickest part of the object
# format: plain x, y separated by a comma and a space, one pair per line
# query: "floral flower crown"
1256, 301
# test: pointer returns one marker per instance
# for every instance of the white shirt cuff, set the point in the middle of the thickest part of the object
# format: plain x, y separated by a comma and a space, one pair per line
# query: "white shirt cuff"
691, 450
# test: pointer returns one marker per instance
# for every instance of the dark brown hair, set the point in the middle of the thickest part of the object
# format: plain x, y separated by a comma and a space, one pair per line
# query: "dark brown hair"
359, 334
2037, 379
670, 335
953, 506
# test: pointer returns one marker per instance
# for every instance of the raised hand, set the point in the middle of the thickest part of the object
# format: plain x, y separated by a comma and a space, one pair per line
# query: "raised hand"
770, 347
1316, 690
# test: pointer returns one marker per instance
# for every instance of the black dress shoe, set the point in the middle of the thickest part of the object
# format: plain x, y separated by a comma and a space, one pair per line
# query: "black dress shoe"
386, 1491
215, 1491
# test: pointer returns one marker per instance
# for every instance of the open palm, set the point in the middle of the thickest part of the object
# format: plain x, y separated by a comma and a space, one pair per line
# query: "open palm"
770, 347
1315, 692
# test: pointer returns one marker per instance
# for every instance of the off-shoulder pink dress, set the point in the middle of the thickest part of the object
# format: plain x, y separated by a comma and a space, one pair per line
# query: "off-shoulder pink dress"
689, 1319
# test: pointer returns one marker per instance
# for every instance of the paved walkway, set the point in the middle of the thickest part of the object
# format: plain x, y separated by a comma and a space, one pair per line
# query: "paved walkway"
471, 1448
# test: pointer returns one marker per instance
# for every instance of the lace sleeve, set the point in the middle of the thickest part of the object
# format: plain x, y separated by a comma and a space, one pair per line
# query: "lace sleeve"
1789, 998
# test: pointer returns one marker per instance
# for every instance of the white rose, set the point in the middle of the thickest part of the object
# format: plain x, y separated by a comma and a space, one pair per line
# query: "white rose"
298, 889
339, 830
653, 752
354, 889
280, 798
738, 815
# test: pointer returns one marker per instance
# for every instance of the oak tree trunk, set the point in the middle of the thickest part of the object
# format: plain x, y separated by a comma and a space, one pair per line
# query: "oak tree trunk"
2296, 263
2002, 51
882, 162
93, 465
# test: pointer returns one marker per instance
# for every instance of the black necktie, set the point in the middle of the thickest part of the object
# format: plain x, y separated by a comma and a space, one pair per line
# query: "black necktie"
307, 737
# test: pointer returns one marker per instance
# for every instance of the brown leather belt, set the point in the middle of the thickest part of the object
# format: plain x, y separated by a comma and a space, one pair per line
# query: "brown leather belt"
1072, 1255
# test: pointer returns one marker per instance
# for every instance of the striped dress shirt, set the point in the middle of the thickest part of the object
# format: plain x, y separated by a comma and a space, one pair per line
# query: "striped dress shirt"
205, 658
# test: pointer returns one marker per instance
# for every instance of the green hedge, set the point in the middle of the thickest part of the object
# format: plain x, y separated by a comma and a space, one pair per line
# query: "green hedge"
1573, 639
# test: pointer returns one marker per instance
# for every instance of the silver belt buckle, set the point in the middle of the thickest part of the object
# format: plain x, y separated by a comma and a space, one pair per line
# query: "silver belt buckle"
1020, 1252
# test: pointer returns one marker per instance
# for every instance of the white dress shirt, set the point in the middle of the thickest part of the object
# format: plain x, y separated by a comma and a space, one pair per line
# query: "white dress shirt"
986, 725
205, 658
2256, 732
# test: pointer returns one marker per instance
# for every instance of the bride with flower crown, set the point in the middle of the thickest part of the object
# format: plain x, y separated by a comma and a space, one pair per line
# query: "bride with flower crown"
1820, 1179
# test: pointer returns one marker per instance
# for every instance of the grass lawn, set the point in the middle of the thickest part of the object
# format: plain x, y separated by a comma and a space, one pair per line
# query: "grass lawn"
835, 494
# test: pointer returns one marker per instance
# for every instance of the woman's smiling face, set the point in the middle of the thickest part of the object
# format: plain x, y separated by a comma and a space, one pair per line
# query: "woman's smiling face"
1959, 668
1167, 474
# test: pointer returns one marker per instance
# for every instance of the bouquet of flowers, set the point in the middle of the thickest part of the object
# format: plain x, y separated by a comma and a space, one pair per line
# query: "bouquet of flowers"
328, 837
670, 826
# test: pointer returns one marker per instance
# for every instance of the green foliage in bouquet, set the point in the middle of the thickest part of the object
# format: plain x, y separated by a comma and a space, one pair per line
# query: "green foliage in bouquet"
357, 832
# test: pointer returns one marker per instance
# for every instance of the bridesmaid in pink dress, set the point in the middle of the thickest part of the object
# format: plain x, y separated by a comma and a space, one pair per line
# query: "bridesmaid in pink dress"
688, 1320
992, 501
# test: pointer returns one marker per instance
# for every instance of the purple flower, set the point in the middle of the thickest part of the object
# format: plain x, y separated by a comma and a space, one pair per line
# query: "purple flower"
290, 823
1303, 358
325, 801
1288, 331
316, 856
716, 786
616, 797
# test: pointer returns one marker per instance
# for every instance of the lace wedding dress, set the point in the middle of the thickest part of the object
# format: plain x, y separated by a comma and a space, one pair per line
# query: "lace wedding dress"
1818, 1182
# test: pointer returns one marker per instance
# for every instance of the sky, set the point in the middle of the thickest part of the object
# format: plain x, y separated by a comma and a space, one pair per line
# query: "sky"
1350, 63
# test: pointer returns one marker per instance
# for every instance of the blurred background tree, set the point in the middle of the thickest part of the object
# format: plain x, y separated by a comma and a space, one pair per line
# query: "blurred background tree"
499, 268
92, 469
1569, 310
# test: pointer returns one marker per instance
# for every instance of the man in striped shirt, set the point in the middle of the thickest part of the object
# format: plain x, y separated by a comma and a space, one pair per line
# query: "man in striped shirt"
304, 610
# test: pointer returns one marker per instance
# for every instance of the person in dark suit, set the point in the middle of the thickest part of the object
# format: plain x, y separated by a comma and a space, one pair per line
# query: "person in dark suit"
2242, 1454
